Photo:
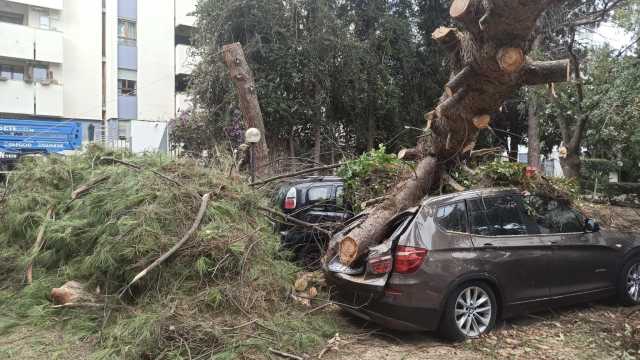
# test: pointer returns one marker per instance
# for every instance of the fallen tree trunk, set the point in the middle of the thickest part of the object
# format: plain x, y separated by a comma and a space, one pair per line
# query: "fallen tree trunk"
488, 63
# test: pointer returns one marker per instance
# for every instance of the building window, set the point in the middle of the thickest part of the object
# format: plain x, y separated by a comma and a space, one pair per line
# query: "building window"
123, 130
45, 21
126, 87
91, 133
127, 32
12, 18
40, 73
12, 72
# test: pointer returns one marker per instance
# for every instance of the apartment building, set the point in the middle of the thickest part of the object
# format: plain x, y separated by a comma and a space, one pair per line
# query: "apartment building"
118, 67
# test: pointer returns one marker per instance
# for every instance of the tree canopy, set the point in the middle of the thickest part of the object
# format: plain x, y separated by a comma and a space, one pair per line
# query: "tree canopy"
353, 72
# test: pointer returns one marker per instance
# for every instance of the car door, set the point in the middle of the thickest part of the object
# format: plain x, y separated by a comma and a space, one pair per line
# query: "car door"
518, 257
582, 261
341, 210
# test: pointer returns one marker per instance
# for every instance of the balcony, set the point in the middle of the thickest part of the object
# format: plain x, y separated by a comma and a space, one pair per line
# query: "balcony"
49, 100
184, 62
16, 97
17, 41
49, 4
20, 97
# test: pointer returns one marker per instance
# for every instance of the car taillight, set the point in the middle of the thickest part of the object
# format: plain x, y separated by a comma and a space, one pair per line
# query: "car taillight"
408, 259
290, 199
380, 264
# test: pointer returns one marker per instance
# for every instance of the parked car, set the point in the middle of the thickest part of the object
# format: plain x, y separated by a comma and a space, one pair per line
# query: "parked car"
460, 261
316, 200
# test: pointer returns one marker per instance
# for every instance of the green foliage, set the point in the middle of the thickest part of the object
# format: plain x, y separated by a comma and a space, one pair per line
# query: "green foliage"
352, 68
502, 173
602, 166
370, 176
231, 266
611, 101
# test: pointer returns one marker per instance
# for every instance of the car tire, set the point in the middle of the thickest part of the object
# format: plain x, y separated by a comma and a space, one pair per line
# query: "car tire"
629, 283
464, 319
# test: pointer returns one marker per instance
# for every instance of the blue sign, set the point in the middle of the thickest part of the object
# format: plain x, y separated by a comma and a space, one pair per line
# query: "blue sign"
35, 136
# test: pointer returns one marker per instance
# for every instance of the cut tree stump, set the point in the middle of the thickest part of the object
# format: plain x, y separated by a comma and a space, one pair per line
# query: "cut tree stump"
71, 292
243, 78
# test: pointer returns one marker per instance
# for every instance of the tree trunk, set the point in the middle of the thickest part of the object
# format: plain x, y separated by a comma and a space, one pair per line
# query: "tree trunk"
245, 85
488, 64
317, 141
533, 135
317, 124
571, 165
292, 154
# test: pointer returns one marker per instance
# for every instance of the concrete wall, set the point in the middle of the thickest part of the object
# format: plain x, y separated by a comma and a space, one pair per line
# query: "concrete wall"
111, 33
148, 136
49, 100
82, 63
156, 78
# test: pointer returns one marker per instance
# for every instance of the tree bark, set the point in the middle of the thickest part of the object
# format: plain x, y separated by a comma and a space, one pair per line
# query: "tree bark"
245, 85
571, 165
533, 135
493, 45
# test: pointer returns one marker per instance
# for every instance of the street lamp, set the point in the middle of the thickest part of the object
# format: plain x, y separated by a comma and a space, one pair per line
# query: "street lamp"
252, 136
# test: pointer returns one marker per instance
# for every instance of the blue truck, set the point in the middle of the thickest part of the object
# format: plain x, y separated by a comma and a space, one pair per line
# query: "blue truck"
21, 137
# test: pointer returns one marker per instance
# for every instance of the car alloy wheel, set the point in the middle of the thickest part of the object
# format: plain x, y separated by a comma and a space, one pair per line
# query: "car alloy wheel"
473, 311
633, 283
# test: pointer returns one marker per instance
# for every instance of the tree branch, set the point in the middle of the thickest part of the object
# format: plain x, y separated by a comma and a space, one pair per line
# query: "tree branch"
546, 72
165, 256
297, 173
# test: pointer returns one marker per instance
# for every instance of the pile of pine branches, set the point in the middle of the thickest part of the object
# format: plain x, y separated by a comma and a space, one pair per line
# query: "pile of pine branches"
173, 252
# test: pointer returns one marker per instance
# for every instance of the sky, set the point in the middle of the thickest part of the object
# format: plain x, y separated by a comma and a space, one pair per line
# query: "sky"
612, 34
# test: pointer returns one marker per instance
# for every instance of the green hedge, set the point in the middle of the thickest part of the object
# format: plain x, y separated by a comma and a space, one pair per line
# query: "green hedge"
616, 189
599, 166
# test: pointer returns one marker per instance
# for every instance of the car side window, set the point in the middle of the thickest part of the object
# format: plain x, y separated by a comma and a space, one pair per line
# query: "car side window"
553, 216
340, 205
453, 217
497, 216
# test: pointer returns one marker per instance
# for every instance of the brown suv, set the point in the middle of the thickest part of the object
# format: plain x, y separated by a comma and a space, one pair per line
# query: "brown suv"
459, 261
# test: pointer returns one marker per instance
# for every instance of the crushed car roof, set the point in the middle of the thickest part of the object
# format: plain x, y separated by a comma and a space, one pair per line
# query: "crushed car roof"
464, 195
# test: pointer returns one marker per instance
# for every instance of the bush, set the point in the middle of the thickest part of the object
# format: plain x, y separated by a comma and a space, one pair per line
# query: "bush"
616, 189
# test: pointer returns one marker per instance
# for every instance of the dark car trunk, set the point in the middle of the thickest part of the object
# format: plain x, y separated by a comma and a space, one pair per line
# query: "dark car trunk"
357, 285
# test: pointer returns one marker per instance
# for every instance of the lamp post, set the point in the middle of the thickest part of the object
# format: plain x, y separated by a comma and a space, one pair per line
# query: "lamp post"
252, 136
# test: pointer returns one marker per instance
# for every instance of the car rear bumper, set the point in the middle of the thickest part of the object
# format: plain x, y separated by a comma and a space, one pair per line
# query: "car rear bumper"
372, 303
